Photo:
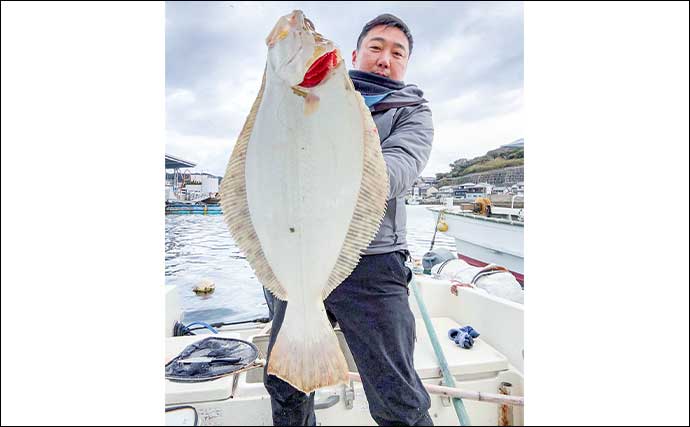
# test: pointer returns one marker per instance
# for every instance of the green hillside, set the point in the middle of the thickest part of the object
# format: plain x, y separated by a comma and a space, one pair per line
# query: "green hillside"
495, 159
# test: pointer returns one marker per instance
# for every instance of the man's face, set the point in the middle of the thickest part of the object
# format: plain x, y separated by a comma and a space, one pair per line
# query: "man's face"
384, 51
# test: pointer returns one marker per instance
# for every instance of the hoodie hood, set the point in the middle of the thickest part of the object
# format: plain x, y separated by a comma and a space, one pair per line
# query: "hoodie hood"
407, 96
399, 94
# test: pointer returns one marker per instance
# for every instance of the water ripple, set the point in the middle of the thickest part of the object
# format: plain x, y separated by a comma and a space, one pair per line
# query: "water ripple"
199, 247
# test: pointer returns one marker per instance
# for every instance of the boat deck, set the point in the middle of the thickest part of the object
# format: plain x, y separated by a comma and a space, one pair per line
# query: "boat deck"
495, 358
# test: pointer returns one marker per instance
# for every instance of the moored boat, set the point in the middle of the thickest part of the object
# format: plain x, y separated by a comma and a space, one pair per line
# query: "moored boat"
186, 208
494, 237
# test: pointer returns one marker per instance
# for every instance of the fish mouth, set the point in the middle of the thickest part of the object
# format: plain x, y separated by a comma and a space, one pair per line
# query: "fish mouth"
320, 69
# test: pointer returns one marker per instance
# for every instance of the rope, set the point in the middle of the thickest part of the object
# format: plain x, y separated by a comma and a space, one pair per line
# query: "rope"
440, 213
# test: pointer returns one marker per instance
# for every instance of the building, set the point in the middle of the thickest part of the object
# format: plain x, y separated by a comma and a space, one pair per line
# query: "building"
471, 191
460, 191
429, 180
518, 188
186, 185
173, 181
485, 188
208, 183
445, 191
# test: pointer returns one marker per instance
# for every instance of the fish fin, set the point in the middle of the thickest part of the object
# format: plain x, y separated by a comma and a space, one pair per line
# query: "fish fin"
371, 203
310, 357
349, 86
233, 202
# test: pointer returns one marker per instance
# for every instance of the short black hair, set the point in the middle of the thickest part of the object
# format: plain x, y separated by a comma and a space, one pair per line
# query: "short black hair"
389, 21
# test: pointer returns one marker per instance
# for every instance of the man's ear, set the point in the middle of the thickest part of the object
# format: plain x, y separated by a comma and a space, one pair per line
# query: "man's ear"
354, 57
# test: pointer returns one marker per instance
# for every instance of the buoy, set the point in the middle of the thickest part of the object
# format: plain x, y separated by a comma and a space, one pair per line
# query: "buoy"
205, 287
442, 226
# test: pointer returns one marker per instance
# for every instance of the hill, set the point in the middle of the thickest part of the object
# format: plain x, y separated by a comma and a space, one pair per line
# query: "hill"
505, 156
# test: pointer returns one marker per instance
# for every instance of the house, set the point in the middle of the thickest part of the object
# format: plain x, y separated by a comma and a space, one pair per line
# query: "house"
460, 191
518, 188
485, 187
445, 191
208, 184
470, 191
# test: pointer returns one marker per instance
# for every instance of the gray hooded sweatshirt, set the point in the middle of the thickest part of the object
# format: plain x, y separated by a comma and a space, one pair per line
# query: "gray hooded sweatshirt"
404, 124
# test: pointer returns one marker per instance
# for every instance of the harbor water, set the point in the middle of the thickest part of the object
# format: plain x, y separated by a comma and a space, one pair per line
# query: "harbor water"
199, 247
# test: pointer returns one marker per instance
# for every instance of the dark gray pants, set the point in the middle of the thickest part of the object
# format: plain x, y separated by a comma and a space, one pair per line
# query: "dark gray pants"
371, 306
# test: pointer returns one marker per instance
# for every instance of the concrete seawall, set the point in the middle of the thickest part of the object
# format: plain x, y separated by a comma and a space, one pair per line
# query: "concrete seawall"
497, 177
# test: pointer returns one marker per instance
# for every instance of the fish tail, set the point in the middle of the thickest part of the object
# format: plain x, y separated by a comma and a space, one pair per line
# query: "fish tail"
306, 353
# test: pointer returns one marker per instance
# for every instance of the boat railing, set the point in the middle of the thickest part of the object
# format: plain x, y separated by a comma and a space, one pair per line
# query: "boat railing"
512, 205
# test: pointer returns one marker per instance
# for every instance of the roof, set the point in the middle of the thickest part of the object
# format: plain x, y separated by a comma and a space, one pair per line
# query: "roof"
206, 174
172, 162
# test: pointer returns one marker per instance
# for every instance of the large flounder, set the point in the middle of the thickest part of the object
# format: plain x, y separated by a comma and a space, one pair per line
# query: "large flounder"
304, 193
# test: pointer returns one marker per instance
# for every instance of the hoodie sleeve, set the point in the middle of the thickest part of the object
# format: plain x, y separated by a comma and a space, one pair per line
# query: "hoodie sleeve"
406, 150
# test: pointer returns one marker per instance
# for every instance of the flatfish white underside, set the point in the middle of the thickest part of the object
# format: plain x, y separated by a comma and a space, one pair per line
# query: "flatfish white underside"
303, 178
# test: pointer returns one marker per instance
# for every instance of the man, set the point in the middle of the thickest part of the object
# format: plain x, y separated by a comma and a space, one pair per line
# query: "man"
371, 306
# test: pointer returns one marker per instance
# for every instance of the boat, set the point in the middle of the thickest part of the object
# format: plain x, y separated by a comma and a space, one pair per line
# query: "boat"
191, 207
493, 235
212, 200
492, 367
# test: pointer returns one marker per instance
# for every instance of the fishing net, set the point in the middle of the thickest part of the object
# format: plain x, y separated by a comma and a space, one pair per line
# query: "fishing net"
222, 356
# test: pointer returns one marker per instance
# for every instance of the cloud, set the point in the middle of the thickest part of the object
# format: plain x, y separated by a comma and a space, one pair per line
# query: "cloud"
215, 109
478, 104
210, 154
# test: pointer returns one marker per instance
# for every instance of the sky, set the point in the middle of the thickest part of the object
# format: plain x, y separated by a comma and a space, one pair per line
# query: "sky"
467, 58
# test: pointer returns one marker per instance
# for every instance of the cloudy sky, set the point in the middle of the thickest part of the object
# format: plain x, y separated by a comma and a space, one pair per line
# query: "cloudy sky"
467, 58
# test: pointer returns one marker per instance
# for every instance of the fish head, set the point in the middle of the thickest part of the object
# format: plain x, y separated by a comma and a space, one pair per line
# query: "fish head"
297, 53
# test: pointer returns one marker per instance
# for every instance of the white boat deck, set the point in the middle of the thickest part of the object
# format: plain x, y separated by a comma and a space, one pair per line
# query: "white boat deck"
496, 357
482, 358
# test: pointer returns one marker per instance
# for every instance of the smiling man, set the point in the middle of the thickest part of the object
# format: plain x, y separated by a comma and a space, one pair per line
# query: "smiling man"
384, 48
372, 305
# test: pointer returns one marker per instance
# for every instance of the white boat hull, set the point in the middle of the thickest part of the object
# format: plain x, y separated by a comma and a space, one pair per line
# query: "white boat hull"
489, 256
488, 240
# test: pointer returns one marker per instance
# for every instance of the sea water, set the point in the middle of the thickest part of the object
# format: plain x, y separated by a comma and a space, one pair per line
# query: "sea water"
199, 247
